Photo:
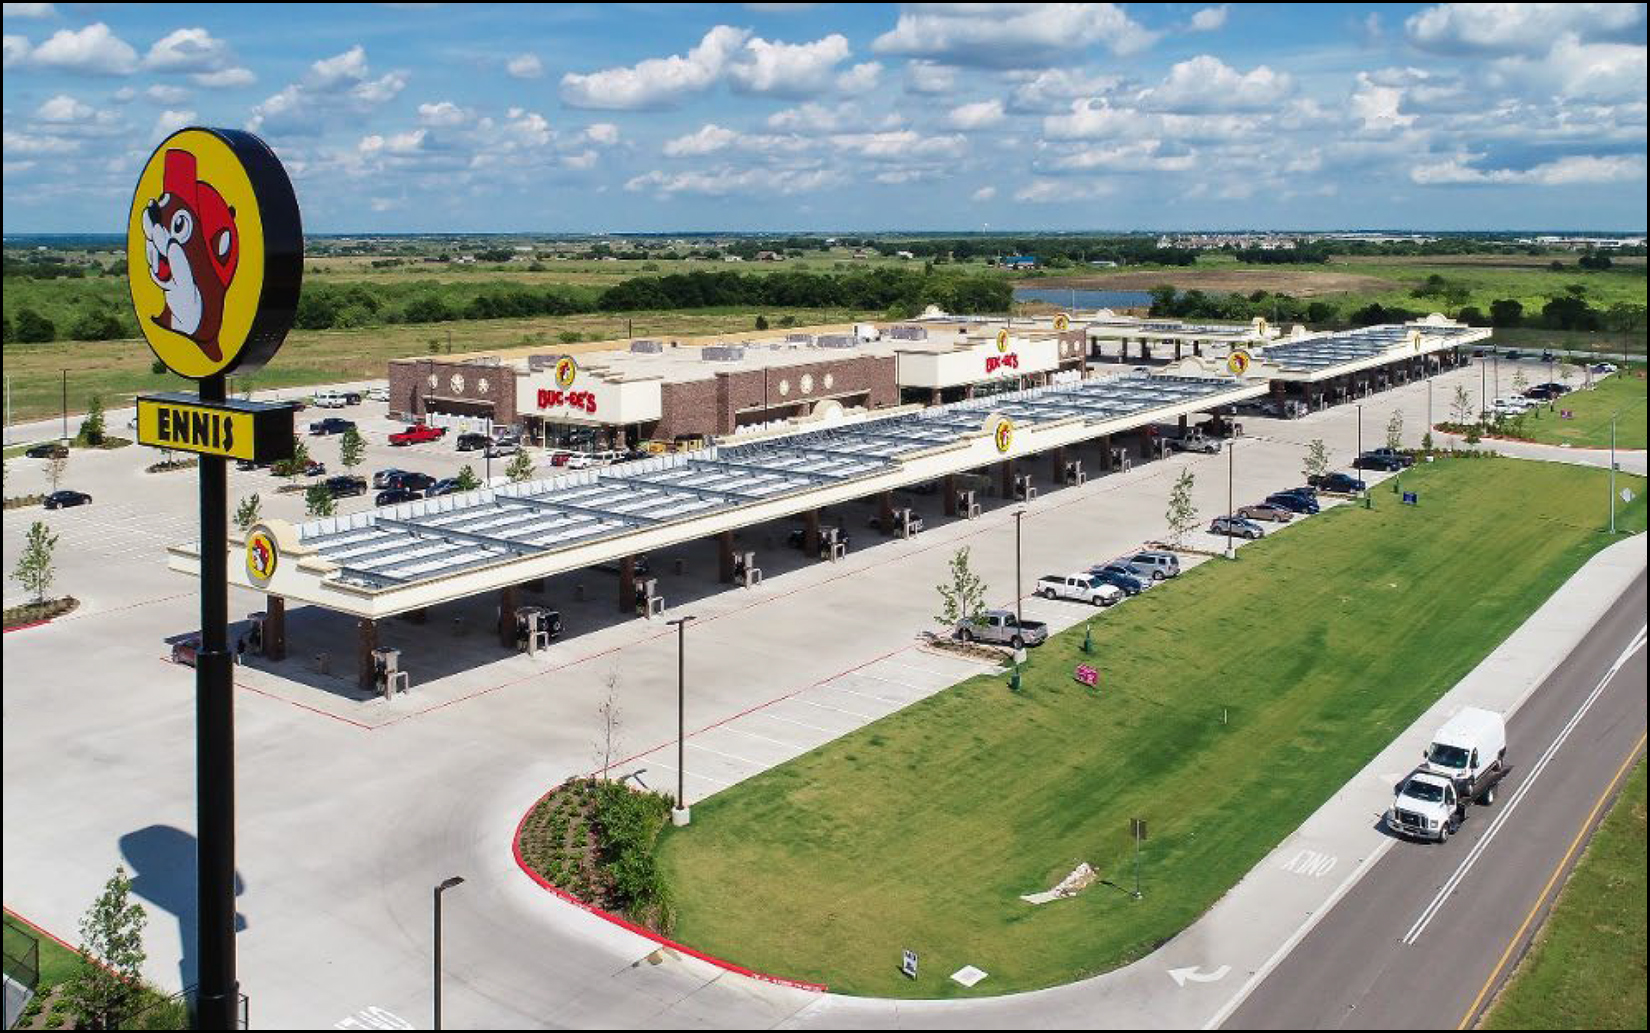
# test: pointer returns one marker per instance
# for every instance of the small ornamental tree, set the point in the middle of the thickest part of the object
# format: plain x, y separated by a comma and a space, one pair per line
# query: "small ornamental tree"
466, 479
248, 512
1395, 431
520, 468
1566, 372
318, 501
36, 569
964, 598
1182, 512
91, 428
1520, 382
105, 984
57, 466
351, 449
1317, 459
293, 468
1461, 406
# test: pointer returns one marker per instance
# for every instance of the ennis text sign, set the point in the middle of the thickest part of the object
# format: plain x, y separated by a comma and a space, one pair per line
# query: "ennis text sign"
257, 431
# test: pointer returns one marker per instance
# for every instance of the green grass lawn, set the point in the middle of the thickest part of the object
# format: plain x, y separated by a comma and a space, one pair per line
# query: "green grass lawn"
57, 962
1623, 393
1586, 969
1319, 646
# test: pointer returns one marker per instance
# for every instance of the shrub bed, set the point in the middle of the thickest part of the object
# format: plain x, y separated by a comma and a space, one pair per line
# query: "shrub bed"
19, 501
594, 839
34, 613
172, 464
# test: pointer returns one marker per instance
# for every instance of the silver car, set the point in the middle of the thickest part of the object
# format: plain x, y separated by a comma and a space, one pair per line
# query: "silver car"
1154, 565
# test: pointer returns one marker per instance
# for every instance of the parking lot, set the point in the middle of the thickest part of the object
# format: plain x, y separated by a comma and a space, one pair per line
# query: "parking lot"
351, 807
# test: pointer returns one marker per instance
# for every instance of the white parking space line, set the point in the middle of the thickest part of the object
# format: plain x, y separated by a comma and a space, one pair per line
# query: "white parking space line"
839, 710
729, 756
799, 724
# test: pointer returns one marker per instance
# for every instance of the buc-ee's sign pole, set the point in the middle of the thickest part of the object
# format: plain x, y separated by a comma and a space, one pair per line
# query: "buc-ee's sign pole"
215, 257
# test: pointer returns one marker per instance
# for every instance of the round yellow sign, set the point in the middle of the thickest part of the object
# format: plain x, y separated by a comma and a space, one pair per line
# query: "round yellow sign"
1238, 363
1002, 340
566, 371
1005, 435
262, 556
214, 252
1062, 321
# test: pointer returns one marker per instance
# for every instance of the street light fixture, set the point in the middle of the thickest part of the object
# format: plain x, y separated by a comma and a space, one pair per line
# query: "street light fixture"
1231, 461
1019, 606
681, 815
440, 888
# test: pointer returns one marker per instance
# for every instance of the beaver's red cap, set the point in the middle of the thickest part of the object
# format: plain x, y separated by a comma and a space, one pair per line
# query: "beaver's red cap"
180, 180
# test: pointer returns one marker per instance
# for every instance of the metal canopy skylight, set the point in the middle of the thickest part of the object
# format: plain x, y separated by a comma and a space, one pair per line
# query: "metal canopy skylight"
431, 538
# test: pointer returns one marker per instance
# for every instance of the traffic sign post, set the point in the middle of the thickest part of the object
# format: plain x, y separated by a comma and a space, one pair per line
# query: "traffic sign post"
214, 250
1137, 829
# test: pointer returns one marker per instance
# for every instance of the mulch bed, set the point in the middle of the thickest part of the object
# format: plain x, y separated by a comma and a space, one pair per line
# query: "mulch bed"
35, 613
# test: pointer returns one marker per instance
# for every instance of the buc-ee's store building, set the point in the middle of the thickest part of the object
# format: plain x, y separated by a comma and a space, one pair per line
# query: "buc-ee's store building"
659, 392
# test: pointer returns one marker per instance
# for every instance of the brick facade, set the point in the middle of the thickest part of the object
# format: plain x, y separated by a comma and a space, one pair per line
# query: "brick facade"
475, 383
700, 407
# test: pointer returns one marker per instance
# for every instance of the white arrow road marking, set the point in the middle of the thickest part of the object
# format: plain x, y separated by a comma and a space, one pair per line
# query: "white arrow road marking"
1478, 849
1196, 974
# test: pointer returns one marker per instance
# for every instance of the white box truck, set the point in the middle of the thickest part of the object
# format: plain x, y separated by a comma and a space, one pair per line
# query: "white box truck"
1463, 764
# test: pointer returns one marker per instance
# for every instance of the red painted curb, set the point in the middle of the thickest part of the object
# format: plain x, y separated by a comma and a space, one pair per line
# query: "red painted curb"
625, 923
25, 627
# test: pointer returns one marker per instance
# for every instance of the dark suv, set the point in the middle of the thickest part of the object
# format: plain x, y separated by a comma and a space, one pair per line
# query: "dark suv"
1293, 503
409, 480
1340, 482
344, 485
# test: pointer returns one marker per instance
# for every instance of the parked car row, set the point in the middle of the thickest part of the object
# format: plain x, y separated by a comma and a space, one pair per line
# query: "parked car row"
1111, 582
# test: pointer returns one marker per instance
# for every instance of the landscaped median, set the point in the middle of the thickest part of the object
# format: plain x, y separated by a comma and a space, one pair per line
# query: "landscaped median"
1230, 705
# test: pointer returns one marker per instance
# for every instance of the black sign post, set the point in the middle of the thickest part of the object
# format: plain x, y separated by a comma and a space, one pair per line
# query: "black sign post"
215, 749
214, 249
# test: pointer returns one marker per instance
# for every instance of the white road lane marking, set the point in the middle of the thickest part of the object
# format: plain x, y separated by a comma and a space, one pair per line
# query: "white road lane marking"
1195, 974
1431, 910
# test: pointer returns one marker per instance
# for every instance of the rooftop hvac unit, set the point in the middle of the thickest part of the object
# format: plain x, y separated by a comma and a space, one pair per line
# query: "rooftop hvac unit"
722, 353
799, 338
908, 333
536, 363
647, 347
836, 340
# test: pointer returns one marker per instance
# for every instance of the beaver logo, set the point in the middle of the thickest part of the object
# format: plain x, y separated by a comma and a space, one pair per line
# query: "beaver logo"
192, 250
1005, 436
261, 557
566, 371
1238, 363
1002, 340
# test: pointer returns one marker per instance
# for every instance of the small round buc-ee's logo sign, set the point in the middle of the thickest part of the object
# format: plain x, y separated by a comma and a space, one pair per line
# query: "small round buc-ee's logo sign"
1004, 435
1062, 322
566, 371
1002, 340
214, 252
262, 556
1238, 363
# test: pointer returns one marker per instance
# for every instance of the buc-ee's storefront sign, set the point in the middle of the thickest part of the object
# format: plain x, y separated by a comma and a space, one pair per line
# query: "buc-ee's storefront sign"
994, 363
550, 399
259, 431
214, 250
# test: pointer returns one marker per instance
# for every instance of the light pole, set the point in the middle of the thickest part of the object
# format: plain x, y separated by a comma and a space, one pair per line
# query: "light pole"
1231, 450
440, 888
65, 405
1483, 385
1429, 405
1019, 614
681, 815
1613, 472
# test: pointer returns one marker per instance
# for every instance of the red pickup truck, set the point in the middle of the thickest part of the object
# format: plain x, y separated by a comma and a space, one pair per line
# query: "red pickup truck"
417, 433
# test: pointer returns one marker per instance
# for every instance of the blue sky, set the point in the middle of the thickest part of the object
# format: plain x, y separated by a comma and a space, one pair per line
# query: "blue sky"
640, 117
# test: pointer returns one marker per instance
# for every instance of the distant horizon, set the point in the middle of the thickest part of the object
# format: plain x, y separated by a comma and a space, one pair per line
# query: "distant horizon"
1538, 231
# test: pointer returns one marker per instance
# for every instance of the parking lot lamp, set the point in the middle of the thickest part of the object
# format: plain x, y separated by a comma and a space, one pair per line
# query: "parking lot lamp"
1613, 471
440, 888
1231, 450
65, 405
681, 815
1019, 614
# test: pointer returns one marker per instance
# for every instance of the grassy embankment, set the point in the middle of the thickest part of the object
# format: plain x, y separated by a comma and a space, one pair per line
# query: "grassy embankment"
1586, 968
1622, 395
921, 830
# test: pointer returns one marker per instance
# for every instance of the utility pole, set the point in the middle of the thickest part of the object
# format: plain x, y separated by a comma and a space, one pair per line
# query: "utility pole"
681, 815
1613, 472
442, 887
1231, 462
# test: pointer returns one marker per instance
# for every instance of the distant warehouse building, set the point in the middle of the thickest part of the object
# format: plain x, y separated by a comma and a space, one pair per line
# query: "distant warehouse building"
659, 392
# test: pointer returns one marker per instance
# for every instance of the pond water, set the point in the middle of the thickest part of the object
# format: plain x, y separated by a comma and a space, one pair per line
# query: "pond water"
1084, 299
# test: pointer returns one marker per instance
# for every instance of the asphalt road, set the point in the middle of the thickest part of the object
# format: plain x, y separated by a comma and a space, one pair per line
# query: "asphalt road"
1427, 937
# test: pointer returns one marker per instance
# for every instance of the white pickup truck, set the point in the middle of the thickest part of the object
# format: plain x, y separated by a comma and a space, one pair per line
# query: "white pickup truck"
1465, 762
1082, 587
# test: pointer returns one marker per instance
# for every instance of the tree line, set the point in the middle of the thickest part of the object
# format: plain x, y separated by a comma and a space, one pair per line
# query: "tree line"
899, 292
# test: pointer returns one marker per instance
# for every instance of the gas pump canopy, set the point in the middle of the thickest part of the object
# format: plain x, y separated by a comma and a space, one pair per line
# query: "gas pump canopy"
416, 554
